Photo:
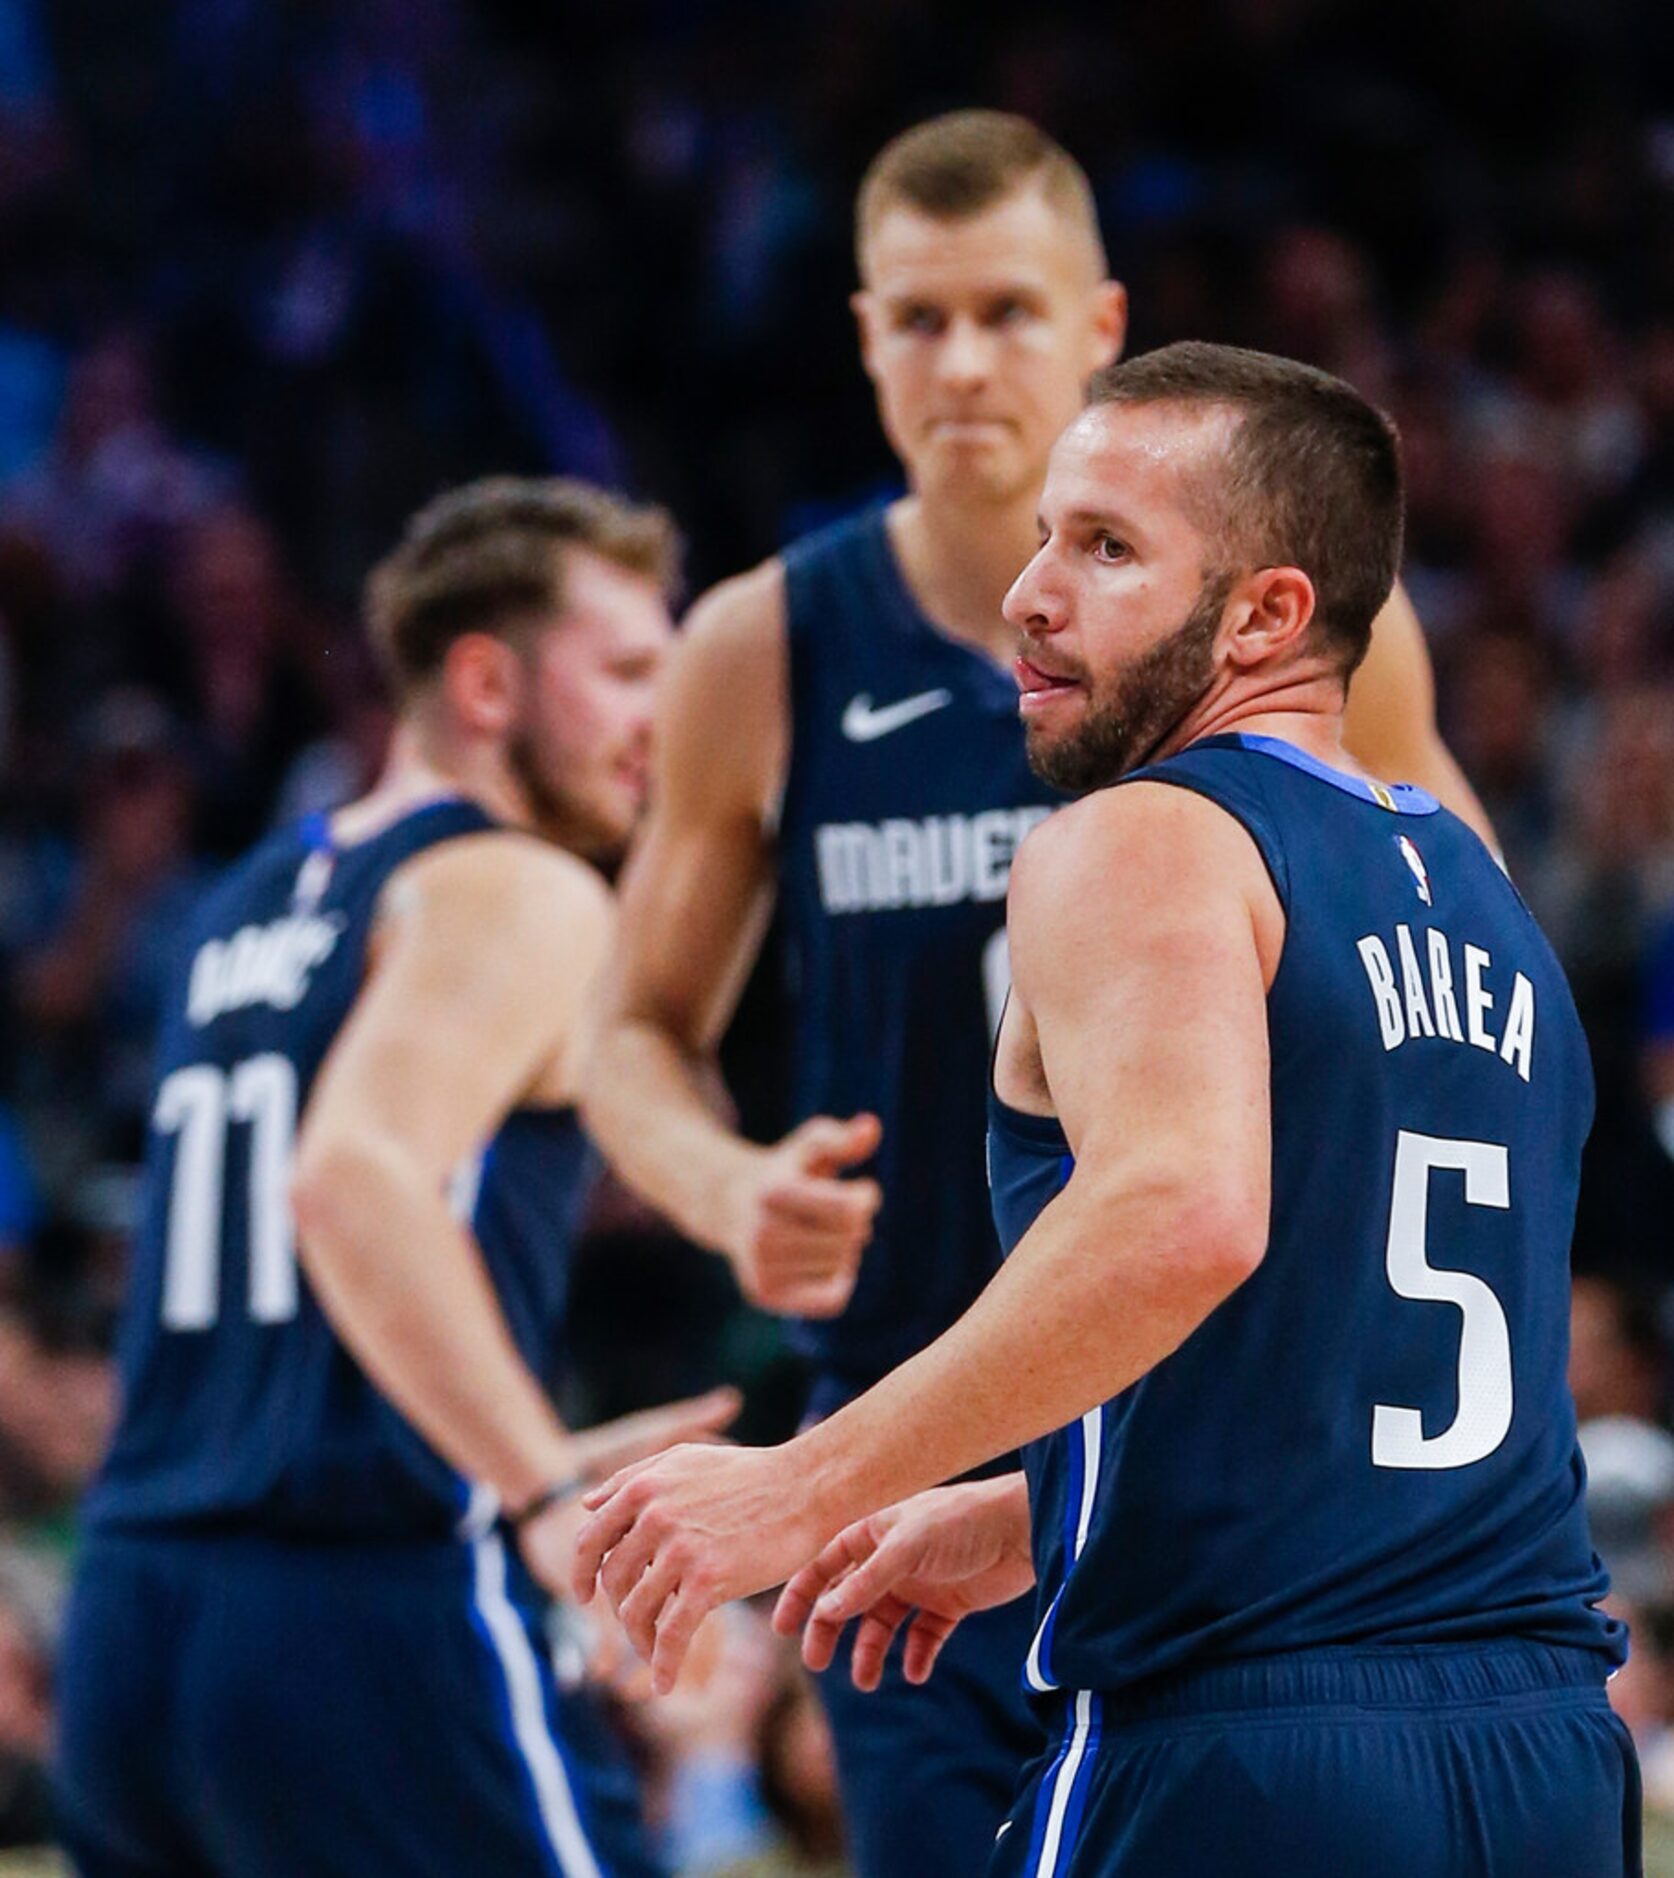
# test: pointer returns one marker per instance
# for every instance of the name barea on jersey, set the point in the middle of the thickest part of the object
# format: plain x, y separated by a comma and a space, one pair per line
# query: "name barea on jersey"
1372, 1441
241, 1409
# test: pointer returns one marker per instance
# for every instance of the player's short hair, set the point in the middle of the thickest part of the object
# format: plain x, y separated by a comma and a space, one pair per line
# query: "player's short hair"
489, 557
1311, 476
957, 165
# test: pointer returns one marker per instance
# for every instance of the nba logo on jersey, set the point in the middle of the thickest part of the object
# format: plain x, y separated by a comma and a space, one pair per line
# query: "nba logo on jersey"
1420, 873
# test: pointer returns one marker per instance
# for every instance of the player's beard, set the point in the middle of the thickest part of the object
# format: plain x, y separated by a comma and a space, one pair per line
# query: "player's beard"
1125, 725
556, 813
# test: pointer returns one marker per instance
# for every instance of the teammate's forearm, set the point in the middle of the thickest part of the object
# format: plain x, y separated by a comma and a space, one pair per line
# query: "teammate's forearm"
1102, 1287
405, 1288
646, 1104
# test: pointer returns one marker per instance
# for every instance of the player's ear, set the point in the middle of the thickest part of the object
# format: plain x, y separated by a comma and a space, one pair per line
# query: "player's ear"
1109, 329
865, 309
481, 680
1270, 611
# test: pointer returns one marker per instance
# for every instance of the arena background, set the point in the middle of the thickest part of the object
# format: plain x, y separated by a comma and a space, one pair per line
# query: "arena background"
270, 274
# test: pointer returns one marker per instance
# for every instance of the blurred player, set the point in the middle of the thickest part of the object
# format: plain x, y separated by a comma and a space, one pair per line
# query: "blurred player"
841, 725
1286, 1134
301, 1641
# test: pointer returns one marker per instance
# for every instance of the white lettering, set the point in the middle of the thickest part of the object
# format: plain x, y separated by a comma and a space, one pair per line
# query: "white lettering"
949, 859
269, 964
1380, 975
1478, 1000
901, 869
993, 840
938, 861
1412, 983
1517, 1046
1441, 988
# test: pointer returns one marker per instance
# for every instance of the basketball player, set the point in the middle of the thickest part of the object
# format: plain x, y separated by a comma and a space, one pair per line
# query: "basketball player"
841, 725
1286, 1131
309, 1630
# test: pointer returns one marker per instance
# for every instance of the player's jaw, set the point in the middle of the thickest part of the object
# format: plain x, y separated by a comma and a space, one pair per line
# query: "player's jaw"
579, 748
1085, 728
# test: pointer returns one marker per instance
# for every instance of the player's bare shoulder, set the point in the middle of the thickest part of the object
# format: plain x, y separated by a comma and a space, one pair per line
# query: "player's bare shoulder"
505, 893
726, 710
1141, 854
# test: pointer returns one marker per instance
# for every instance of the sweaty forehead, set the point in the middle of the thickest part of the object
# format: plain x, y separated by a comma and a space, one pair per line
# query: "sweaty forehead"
1021, 239
1157, 455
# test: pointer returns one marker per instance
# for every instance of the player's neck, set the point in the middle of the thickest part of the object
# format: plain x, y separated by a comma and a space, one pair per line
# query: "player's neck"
1306, 711
959, 562
424, 767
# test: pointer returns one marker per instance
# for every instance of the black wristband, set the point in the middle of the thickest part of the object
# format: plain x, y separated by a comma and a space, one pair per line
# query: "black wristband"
554, 1493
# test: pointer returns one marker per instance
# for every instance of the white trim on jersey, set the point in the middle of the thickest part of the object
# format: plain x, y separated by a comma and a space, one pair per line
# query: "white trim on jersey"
1091, 1431
504, 1630
1063, 1785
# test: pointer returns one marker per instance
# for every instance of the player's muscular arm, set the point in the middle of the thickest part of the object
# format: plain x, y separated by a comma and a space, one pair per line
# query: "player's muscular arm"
1144, 933
694, 903
1390, 723
1139, 965
484, 951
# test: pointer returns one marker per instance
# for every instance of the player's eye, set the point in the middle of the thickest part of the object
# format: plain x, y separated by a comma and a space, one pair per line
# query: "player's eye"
1107, 547
923, 320
1007, 313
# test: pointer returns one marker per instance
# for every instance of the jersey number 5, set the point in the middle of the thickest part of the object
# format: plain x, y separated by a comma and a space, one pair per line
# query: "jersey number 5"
200, 1104
1484, 1413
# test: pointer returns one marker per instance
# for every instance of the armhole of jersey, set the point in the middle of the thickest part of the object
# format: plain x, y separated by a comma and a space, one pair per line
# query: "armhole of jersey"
773, 813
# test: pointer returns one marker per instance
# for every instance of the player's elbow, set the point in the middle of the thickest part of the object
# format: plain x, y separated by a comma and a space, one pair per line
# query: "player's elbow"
335, 1182
1224, 1235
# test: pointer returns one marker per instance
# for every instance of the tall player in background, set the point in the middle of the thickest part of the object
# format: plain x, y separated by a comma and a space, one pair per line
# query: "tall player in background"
1286, 1135
308, 1630
841, 724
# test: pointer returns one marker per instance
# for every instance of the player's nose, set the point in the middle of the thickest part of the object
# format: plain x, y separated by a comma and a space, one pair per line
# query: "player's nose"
1034, 602
965, 357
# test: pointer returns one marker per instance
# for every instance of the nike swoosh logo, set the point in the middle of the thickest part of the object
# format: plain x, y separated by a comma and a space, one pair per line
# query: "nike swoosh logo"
862, 723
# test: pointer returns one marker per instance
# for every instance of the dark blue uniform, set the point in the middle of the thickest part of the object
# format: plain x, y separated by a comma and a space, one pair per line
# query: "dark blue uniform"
298, 1641
907, 796
1316, 1595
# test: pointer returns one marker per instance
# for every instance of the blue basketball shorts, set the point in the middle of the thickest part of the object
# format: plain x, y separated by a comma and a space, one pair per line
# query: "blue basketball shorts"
1498, 1762
240, 1707
927, 1773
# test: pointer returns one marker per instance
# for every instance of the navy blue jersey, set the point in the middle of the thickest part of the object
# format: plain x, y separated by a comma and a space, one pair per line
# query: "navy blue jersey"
907, 796
1371, 1441
241, 1407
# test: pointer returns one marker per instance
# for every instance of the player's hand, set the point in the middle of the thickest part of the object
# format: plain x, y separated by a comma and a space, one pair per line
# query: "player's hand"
672, 1538
795, 1228
547, 1542
927, 1563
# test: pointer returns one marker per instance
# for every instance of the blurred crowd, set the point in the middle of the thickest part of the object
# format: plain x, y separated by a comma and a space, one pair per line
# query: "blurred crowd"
276, 271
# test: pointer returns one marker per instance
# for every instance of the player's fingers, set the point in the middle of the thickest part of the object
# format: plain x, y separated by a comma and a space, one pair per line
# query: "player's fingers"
677, 1625
925, 1637
607, 1489
612, 1519
819, 1644
872, 1579
872, 1637
827, 1146
840, 1208
801, 1252
834, 1561
825, 1297
643, 1604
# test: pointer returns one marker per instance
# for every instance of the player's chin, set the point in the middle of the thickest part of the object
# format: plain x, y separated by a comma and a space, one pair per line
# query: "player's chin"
988, 466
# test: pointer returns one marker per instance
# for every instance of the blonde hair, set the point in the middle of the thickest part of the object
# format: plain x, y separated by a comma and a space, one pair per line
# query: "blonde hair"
957, 165
489, 557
